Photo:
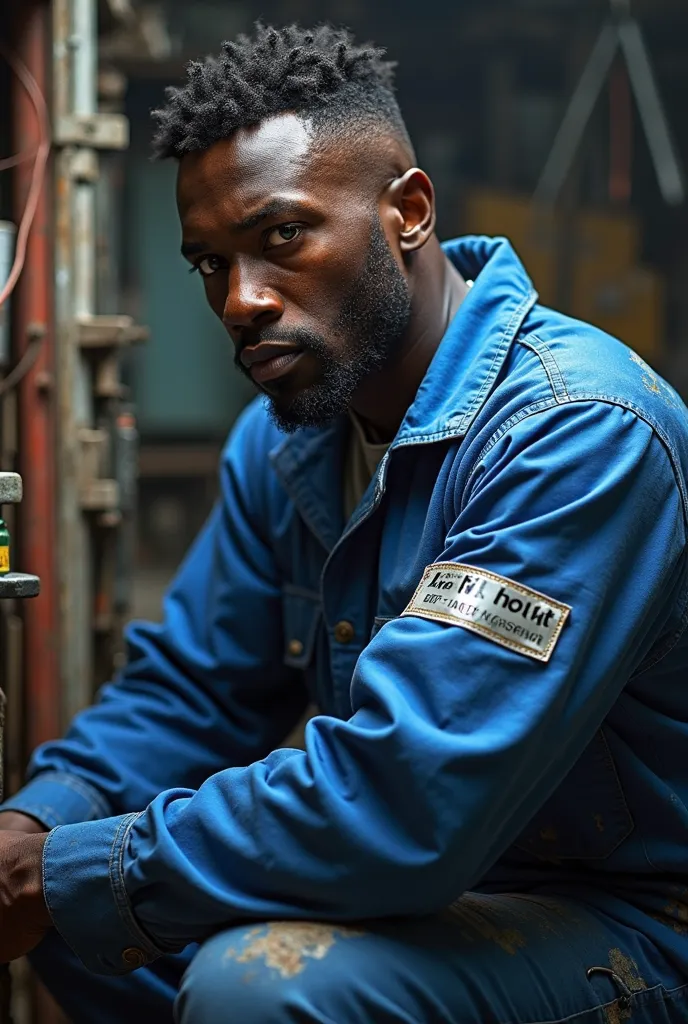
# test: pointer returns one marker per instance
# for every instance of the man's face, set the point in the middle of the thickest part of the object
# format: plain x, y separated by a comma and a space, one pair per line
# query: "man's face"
296, 264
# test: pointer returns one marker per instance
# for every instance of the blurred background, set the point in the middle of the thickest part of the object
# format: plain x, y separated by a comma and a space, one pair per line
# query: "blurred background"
117, 388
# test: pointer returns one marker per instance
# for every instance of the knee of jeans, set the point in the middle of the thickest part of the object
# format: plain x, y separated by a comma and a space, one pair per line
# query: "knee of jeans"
263, 974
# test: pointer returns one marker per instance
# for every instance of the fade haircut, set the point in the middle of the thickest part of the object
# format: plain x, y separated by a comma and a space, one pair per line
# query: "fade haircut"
320, 74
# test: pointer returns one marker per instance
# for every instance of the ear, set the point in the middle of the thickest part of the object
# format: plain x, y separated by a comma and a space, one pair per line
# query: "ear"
412, 198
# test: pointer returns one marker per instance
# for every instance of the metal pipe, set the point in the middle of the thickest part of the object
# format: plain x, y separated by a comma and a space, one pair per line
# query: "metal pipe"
73, 48
34, 308
577, 116
8, 234
84, 92
32, 317
655, 123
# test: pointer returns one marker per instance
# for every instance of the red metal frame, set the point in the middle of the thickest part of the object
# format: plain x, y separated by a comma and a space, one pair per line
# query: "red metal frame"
32, 312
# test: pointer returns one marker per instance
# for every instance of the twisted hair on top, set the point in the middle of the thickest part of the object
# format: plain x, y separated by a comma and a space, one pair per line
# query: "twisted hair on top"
321, 73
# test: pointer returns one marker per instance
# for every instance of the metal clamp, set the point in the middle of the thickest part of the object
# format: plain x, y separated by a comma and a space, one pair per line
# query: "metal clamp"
104, 331
15, 584
98, 131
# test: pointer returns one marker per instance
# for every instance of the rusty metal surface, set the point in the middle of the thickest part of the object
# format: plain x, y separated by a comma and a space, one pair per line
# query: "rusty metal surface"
101, 131
32, 311
108, 331
33, 307
87, 371
73, 384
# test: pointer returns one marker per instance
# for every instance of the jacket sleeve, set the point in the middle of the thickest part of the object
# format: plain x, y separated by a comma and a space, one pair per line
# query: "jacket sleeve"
454, 741
205, 690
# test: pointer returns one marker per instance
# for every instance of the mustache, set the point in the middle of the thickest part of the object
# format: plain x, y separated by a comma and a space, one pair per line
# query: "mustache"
300, 336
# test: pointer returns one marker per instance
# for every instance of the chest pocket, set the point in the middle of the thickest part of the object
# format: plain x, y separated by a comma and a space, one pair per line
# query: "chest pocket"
587, 817
301, 615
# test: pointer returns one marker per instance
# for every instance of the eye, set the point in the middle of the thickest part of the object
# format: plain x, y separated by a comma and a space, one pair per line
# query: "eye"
281, 235
207, 265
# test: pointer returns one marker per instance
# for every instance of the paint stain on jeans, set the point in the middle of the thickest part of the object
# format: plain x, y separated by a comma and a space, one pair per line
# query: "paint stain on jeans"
284, 946
624, 971
676, 916
627, 970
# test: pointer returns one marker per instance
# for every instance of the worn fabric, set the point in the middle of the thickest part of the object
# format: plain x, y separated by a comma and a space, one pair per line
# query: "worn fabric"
506, 959
538, 450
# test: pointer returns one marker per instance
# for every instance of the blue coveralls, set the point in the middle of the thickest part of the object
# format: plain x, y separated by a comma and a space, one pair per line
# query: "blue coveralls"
484, 826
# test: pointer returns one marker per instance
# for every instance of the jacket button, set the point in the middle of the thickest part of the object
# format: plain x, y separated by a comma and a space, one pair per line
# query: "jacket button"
344, 632
295, 648
133, 957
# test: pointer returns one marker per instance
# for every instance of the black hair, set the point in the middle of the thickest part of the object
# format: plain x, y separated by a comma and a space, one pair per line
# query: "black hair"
321, 73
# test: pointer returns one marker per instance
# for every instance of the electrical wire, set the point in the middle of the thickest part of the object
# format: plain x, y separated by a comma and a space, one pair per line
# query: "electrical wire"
20, 370
39, 155
39, 167
18, 158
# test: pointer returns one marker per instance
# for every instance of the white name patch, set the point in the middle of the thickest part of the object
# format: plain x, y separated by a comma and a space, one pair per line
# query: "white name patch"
493, 606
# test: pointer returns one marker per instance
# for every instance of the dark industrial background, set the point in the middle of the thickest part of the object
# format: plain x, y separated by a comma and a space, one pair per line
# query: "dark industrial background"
117, 388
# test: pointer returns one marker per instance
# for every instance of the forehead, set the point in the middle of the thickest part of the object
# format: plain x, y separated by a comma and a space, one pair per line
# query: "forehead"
277, 157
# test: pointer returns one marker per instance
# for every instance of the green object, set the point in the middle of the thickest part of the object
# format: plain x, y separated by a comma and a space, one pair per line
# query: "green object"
4, 548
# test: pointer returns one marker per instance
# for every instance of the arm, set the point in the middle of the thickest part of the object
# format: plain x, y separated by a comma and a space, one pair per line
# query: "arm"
15, 821
454, 741
205, 690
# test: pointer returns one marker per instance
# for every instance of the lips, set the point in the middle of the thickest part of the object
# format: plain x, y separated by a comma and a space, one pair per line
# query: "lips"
270, 359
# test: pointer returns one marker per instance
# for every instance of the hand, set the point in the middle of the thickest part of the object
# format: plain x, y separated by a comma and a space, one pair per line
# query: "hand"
15, 821
24, 917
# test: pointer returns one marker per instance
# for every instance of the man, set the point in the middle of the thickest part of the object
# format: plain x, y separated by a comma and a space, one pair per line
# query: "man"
457, 523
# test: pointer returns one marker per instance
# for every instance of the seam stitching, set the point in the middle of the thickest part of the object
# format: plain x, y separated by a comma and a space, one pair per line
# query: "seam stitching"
544, 353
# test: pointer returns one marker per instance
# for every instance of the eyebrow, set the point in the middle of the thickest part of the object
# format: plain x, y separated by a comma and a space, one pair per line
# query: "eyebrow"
275, 208
193, 248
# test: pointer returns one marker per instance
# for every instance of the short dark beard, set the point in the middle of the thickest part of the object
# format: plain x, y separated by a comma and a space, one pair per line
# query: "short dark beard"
373, 319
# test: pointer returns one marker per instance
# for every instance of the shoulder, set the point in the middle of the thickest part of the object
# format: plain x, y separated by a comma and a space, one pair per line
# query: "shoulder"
565, 379
582, 362
558, 361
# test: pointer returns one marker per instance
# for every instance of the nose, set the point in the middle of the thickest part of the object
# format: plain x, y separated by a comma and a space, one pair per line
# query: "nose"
249, 303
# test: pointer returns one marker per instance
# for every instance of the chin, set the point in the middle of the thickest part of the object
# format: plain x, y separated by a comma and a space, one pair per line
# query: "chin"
303, 411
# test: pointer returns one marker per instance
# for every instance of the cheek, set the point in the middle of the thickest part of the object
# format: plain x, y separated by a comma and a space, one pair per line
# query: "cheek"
340, 255
325, 275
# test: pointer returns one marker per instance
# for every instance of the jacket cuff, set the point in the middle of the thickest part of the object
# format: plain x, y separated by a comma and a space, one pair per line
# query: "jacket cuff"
58, 798
82, 868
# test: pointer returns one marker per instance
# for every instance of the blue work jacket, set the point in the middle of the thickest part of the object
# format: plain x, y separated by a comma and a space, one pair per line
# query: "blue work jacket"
541, 742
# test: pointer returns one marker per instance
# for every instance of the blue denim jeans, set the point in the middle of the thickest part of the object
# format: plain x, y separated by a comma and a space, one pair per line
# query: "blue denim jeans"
502, 959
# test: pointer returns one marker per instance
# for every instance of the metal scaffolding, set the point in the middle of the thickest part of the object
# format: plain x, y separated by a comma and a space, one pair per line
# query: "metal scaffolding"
91, 487
69, 419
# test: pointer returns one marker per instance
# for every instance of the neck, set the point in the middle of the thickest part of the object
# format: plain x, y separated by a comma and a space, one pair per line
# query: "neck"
382, 400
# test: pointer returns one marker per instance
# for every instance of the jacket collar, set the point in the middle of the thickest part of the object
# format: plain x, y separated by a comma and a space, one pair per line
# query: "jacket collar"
310, 462
477, 340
